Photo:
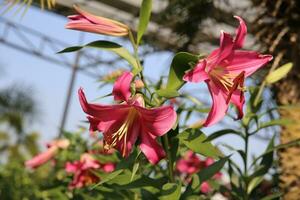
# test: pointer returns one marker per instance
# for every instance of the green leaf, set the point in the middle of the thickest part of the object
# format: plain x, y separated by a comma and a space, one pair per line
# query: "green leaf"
275, 122
279, 73
170, 191
196, 141
167, 93
273, 196
211, 170
266, 162
254, 183
109, 46
143, 181
145, 13
181, 62
134, 170
221, 133
281, 146
108, 177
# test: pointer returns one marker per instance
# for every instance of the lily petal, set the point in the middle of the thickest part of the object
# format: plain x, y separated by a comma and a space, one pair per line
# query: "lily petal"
88, 22
99, 20
157, 121
101, 112
197, 74
238, 99
125, 147
248, 61
219, 105
241, 33
41, 158
121, 90
152, 150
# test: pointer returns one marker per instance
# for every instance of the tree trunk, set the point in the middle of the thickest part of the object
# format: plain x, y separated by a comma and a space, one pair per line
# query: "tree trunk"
288, 93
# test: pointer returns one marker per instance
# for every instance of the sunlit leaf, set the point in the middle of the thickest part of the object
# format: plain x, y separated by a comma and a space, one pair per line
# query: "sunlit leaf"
145, 13
279, 73
196, 141
167, 93
181, 62
108, 177
170, 191
254, 183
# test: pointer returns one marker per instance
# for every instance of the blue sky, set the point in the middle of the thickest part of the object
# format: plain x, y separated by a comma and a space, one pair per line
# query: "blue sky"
50, 81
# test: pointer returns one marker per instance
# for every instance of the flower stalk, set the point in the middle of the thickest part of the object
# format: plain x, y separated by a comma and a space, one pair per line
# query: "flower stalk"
169, 158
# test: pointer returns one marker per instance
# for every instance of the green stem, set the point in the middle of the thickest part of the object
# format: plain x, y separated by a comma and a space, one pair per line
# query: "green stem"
169, 158
246, 138
165, 137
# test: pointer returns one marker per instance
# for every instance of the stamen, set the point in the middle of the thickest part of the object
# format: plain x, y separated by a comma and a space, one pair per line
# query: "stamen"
238, 82
112, 140
229, 81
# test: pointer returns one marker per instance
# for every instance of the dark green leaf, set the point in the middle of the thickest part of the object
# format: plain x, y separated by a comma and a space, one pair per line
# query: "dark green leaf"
221, 133
145, 13
181, 62
266, 162
109, 46
211, 170
194, 139
144, 181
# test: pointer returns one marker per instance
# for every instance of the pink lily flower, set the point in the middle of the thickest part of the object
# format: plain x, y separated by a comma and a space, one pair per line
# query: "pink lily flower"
124, 123
88, 22
224, 72
49, 154
82, 170
190, 164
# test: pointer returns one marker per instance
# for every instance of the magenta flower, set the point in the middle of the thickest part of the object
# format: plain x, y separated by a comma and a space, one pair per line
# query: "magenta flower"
224, 72
191, 164
85, 21
82, 170
49, 154
124, 123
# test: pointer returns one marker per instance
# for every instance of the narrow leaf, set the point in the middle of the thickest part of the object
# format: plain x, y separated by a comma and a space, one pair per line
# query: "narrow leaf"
134, 170
272, 196
221, 133
275, 122
109, 46
254, 183
211, 170
109, 177
279, 73
145, 13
